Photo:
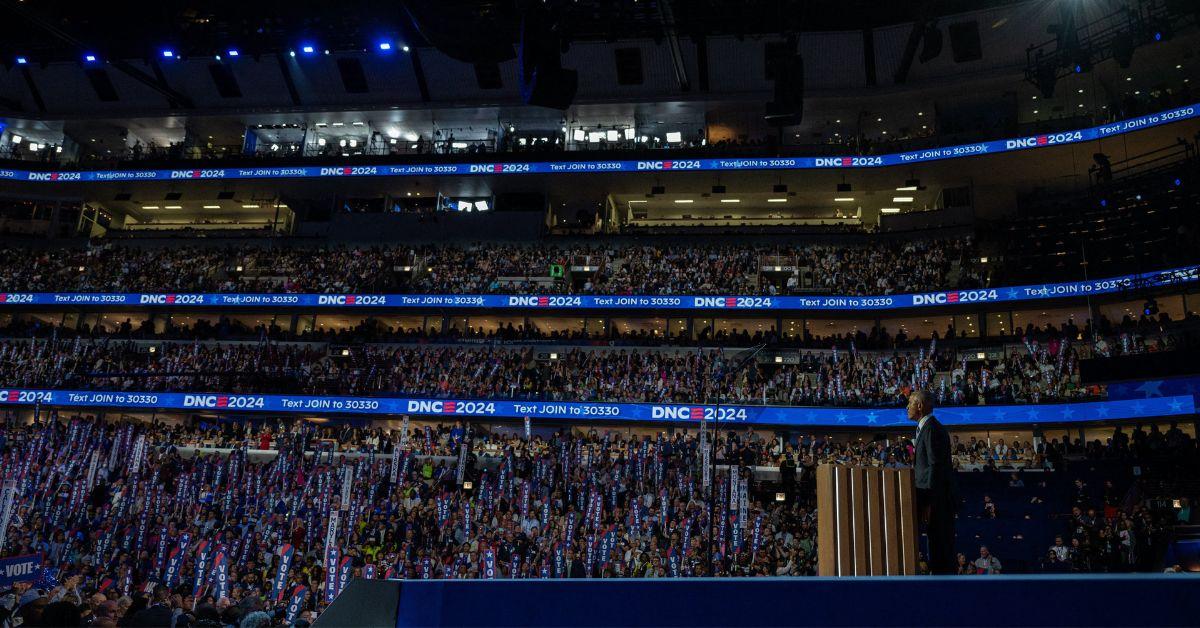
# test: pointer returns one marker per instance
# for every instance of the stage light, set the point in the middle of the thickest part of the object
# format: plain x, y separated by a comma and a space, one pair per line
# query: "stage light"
412, 137
674, 137
1178, 182
595, 136
468, 485
249, 206
320, 141
844, 199
630, 133
172, 206
89, 58
393, 133
353, 143
613, 136
385, 45
16, 139
168, 54
780, 497
212, 207
683, 200
481, 206
902, 199
22, 60
232, 52
777, 200
578, 135
731, 200
307, 49
890, 210
405, 49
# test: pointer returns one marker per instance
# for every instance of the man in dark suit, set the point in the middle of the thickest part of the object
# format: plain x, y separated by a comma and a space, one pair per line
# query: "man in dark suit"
933, 475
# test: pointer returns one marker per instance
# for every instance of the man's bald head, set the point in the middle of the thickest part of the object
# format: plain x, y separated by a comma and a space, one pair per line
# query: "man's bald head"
920, 404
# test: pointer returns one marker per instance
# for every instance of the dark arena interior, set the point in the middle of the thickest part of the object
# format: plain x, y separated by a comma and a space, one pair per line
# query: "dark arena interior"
599, 313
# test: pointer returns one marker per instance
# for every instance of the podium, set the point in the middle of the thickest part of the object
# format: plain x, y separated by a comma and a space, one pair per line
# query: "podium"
866, 521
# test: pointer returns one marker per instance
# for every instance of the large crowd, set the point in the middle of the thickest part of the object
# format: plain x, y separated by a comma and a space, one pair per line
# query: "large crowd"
1038, 372
881, 268
229, 523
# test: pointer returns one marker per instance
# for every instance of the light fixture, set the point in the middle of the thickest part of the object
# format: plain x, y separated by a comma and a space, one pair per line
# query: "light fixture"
481, 206
983, 260
412, 137
468, 485
640, 200
89, 58
320, 141
612, 135
172, 206
889, 210
777, 200
843, 199
674, 137
780, 497
683, 200
630, 133
393, 133
249, 206
910, 185
168, 54
578, 135
731, 200
385, 45
232, 52
22, 60
307, 49
902, 199
149, 206
212, 207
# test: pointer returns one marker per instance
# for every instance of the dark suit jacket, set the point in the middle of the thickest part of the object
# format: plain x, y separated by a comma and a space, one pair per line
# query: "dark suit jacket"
933, 470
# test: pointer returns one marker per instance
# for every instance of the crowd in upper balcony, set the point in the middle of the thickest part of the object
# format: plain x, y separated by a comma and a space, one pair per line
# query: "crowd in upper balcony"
1040, 373
885, 267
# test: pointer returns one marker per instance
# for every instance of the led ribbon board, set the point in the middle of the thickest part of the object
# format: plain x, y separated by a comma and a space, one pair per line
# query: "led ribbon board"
643, 412
1013, 294
731, 164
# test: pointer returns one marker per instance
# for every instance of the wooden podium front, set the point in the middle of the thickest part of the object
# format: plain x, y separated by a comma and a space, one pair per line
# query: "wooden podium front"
866, 521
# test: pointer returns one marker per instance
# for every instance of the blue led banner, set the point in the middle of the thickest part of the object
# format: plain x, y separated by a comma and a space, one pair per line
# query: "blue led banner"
490, 408
1164, 278
552, 167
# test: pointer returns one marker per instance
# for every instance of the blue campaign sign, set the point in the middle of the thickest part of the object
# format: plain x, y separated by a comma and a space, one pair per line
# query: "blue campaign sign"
1012, 294
552, 167
662, 412
27, 568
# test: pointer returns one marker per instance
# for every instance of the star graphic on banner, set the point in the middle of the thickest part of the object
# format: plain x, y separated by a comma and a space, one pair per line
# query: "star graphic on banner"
810, 417
841, 417
1102, 411
1152, 388
1000, 413
871, 416
1067, 412
1175, 405
1031, 415
1012, 294
1138, 408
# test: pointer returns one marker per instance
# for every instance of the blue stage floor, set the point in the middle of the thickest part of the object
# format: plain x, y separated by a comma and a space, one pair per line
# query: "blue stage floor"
1050, 600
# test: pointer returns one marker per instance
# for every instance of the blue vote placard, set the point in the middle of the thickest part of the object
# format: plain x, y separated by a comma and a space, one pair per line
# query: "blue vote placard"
1012, 294
590, 411
687, 165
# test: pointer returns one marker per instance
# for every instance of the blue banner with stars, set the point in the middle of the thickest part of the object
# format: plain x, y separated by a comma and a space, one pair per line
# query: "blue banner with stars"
1159, 406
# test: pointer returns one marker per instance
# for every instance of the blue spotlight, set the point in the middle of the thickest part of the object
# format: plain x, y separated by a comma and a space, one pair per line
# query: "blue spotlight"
307, 49
232, 52
22, 60
1178, 182
168, 54
385, 45
90, 58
